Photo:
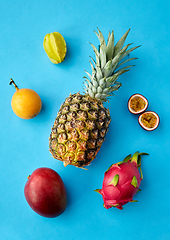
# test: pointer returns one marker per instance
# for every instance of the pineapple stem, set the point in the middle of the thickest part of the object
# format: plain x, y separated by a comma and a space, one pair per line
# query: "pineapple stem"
12, 82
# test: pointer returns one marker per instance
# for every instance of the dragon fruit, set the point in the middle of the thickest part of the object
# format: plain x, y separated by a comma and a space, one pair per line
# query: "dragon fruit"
121, 182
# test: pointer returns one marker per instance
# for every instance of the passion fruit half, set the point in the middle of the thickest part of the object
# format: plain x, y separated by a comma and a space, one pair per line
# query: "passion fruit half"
137, 103
149, 120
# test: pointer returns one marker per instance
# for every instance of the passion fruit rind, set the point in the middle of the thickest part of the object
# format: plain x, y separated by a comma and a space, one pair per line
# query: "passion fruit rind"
137, 103
149, 120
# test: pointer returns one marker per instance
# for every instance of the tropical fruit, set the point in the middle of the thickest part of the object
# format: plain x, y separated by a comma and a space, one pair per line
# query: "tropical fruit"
45, 192
55, 47
121, 182
137, 103
82, 121
25, 103
149, 120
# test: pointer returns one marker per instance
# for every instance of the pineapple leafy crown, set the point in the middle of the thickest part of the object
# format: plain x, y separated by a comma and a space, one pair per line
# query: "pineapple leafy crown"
108, 66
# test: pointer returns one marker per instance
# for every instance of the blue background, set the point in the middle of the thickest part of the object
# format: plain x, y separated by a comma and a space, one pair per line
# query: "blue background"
24, 143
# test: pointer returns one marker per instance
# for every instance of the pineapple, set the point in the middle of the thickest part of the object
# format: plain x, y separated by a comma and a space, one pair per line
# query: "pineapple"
82, 121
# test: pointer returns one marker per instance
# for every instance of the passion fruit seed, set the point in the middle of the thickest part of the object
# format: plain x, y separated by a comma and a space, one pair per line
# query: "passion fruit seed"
25, 103
137, 104
55, 47
149, 120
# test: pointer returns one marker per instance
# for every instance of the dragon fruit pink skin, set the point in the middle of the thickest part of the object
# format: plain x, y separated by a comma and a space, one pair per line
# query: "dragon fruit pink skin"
121, 182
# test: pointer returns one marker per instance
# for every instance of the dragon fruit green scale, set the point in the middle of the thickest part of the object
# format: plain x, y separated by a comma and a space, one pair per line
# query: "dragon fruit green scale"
121, 182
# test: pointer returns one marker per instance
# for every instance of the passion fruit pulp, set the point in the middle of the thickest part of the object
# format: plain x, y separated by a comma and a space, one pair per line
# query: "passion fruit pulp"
137, 103
149, 120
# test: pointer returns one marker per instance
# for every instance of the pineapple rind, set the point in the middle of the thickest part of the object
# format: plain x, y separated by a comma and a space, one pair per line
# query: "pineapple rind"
79, 130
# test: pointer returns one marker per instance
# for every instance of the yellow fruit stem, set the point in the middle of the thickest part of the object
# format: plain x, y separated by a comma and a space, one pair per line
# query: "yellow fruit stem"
12, 82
